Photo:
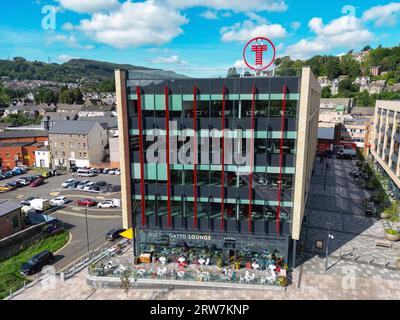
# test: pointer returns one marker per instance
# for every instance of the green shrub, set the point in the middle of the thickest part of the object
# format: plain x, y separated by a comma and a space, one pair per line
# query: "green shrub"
392, 232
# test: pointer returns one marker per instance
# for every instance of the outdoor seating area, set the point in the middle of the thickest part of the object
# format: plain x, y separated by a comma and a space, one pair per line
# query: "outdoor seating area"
260, 269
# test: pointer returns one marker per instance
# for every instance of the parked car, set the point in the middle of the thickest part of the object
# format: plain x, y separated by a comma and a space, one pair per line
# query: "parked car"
8, 174
112, 171
114, 234
106, 204
88, 186
37, 182
82, 184
15, 184
74, 169
118, 172
6, 188
2, 176
86, 203
59, 201
105, 188
97, 186
67, 183
73, 184
27, 201
106, 170
86, 173
37, 262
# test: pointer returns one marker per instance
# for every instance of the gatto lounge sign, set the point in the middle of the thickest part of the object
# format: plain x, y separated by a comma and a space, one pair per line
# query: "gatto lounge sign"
183, 236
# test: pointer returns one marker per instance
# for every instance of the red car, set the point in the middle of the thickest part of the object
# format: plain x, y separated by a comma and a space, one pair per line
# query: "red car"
86, 203
37, 182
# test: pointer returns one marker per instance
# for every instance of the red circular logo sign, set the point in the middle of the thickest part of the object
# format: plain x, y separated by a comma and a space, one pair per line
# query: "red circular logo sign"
260, 50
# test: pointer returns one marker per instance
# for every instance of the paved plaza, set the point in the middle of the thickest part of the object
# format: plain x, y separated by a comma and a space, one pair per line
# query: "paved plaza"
357, 269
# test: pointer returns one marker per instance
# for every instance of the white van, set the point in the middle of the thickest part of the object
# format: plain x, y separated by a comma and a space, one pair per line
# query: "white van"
85, 173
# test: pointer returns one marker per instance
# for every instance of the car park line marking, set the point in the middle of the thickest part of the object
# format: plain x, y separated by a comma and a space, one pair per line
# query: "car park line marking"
54, 193
20, 196
90, 216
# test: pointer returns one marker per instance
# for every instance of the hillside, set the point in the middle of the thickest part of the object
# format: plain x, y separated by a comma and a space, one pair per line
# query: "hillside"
72, 71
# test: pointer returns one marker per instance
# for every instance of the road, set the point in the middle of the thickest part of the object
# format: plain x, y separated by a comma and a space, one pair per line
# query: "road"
100, 221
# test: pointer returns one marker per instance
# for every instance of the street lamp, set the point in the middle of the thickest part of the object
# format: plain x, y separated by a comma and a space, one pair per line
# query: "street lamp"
327, 245
87, 231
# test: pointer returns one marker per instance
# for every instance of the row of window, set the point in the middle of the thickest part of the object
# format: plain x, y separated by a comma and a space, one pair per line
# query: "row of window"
72, 154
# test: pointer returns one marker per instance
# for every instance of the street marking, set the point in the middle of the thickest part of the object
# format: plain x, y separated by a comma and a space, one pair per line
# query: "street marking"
20, 196
54, 193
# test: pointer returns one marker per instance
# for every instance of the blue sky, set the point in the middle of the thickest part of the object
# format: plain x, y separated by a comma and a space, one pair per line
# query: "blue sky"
191, 35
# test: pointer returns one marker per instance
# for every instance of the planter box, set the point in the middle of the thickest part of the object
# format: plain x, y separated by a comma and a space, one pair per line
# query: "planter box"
392, 237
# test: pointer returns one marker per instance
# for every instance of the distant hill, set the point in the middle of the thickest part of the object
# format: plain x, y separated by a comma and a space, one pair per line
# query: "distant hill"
72, 71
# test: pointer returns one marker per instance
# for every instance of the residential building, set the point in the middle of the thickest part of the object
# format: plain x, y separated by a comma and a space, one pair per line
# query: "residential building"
385, 146
50, 118
77, 143
356, 130
14, 154
324, 82
205, 199
63, 107
42, 157
376, 87
375, 71
103, 110
11, 220
363, 82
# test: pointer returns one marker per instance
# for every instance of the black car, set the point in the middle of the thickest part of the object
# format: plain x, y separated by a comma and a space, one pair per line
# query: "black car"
74, 169
37, 262
98, 185
107, 187
114, 234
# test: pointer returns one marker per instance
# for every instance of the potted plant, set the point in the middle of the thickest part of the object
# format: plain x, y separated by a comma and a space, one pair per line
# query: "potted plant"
392, 235
238, 264
282, 281
398, 263
219, 261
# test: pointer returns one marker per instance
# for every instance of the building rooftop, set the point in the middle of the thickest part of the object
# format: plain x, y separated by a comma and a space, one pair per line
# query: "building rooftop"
22, 134
72, 127
64, 106
15, 144
326, 133
8, 206
112, 122
341, 101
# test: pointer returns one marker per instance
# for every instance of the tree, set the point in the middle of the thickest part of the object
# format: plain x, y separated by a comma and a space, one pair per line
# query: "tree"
106, 86
232, 73
349, 66
125, 283
326, 92
71, 96
333, 67
366, 48
363, 99
21, 119
44, 95
5, 98
347, 89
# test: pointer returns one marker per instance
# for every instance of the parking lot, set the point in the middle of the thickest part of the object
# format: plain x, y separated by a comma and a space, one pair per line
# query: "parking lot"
99, 221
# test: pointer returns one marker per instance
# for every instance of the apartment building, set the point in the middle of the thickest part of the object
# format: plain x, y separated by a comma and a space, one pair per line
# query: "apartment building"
385, 146
77, 143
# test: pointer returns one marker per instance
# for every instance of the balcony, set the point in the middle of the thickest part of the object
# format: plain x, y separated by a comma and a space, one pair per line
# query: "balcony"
397, 137
394, 158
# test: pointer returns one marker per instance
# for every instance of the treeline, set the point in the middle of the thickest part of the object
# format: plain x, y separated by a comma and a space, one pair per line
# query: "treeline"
332, 67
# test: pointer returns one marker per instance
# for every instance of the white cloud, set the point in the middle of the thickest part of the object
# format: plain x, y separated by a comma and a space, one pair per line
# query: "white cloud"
210, 15
234, 5
295, 25
385, 15
135, 24
249, 29
68, 26
239, 64
70, 41
344, 32
89, 6
174, 59
65, 58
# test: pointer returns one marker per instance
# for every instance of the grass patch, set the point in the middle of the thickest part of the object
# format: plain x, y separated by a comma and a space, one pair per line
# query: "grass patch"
10, 278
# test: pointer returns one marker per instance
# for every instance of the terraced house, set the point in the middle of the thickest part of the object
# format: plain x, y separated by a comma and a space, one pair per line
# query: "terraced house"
195, 195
